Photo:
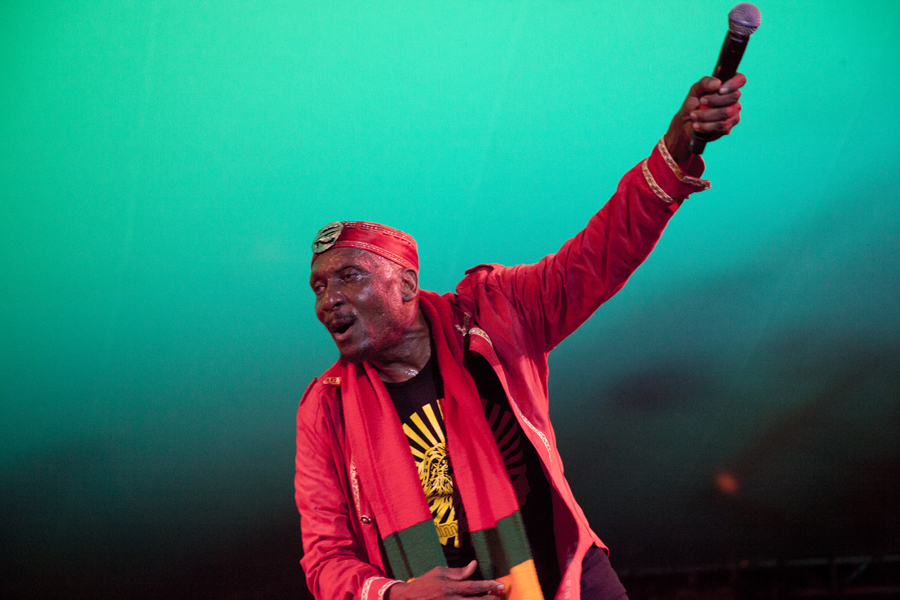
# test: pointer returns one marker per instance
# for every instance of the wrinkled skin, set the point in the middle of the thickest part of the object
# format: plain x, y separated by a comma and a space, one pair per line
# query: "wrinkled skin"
370, 306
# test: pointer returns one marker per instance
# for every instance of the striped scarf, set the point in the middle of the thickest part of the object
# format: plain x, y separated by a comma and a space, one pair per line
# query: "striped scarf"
389, 476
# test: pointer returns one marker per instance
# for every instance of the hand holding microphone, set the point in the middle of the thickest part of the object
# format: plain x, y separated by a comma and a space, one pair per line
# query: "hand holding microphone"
711, 108
743, 20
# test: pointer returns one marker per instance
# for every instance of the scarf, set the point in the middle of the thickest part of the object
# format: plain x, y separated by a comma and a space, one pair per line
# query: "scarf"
387, 470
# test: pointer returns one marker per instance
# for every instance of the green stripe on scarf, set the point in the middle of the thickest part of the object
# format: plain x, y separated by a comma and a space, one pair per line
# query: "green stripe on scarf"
388, 474
414, 551
501, 548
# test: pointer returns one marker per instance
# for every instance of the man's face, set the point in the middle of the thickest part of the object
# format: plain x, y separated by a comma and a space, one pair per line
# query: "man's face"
359, 299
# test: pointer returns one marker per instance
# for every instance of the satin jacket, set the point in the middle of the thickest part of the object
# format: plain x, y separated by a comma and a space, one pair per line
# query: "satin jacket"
513, 316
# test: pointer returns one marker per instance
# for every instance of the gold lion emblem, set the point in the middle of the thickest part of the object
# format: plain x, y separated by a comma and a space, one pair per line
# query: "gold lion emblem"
434, 472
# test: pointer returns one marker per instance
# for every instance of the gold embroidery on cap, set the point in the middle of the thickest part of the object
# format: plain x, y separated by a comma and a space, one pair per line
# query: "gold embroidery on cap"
327, 237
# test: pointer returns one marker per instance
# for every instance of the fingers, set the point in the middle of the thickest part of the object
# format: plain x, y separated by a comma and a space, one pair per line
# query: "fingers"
705, 86
708, 85
460, 573
716, 120
476, 589
718, 99
711, 108
454, 583
711, 92
735, 83
718, 109
466, 589
716, 127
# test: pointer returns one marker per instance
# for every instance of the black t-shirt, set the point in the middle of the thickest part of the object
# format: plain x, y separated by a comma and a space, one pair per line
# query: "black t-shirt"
525, 470
418, 403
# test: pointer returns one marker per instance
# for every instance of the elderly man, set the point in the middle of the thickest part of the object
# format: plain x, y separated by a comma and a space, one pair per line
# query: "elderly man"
426, 462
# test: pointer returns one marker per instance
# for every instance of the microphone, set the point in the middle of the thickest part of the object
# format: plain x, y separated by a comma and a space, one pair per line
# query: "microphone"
743, 20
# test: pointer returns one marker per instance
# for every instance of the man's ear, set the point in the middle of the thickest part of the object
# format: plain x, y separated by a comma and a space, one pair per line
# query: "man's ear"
410, 285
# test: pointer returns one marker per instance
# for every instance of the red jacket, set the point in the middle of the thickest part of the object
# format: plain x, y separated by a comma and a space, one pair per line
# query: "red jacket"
513, 316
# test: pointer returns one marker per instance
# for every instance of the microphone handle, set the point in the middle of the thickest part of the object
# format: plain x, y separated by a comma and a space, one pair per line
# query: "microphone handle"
729, 58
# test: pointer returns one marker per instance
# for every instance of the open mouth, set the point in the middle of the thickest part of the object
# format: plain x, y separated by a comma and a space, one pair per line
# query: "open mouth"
339, 328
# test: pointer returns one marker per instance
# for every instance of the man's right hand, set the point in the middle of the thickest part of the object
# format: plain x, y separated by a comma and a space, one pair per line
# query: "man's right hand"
711, 108
444, 583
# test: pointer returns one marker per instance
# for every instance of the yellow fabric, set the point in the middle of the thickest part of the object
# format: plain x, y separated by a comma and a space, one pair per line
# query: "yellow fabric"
522, 583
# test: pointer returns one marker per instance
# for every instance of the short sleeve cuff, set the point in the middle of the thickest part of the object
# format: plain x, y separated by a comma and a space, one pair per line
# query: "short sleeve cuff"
375, 587
667, 180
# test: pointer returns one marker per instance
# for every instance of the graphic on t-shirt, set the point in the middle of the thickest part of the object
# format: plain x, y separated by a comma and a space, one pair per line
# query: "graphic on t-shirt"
509, 439
425, 431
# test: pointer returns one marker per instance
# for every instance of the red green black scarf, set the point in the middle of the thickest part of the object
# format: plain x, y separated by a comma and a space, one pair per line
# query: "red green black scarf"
388, 473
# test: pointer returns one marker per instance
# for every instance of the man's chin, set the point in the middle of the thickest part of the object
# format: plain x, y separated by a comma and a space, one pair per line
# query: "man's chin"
366, 350
354, 354
352, 358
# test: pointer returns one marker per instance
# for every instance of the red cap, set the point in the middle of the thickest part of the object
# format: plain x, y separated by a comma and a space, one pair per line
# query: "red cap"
385, 241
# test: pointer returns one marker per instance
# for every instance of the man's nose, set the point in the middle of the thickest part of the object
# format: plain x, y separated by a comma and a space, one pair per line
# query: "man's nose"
331, 298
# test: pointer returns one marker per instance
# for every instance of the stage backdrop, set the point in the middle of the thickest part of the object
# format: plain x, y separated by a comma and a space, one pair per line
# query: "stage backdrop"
164, 166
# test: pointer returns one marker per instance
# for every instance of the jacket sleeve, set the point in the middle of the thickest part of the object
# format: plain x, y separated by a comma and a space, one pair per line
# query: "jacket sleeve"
335, 554
555, 296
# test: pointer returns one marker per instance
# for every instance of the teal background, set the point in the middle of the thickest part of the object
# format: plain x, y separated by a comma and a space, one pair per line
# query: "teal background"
165, 165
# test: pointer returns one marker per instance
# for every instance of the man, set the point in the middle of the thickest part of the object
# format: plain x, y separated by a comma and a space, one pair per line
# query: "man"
429, 443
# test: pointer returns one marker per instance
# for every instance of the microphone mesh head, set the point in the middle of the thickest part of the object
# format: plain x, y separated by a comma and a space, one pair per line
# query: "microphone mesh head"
744, 18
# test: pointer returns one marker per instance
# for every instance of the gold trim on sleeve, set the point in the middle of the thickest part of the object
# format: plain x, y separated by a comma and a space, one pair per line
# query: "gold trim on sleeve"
365, 589
385, 587
483, 334
331, 381
703, 184
660, 193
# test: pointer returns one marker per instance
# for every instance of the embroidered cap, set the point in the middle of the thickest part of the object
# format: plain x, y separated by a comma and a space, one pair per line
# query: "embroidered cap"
385, 241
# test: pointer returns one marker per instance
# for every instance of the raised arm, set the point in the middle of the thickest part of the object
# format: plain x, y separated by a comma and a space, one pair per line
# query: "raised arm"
556, 295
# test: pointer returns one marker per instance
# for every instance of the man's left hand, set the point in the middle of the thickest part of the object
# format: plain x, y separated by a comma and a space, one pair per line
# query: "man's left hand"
711, 108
